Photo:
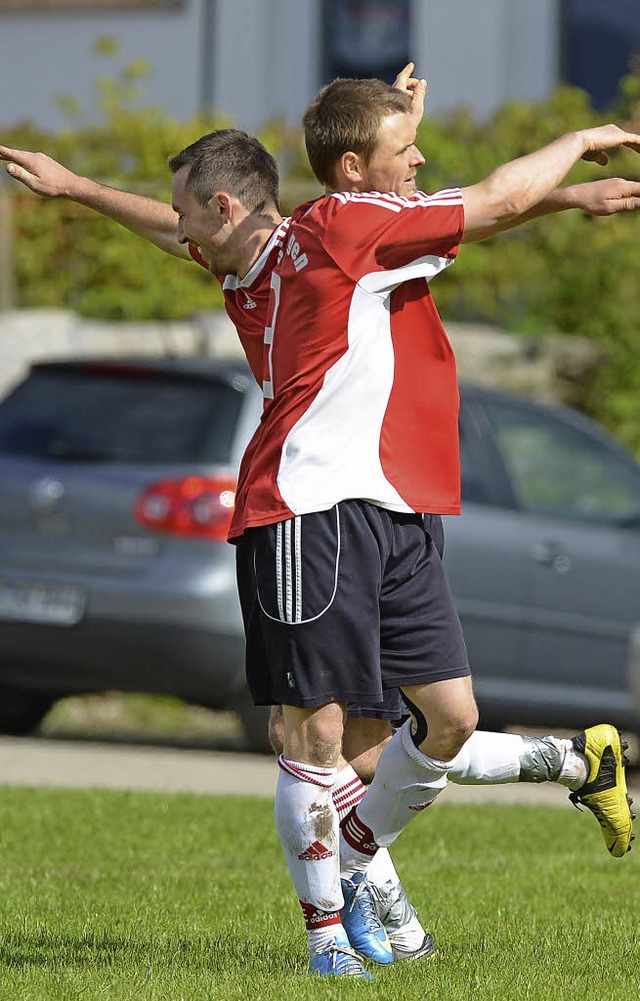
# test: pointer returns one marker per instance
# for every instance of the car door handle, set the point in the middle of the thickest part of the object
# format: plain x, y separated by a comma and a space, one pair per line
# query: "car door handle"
550, 554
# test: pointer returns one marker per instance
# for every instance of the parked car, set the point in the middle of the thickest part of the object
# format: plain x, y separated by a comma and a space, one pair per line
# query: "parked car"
117, 481
545, 563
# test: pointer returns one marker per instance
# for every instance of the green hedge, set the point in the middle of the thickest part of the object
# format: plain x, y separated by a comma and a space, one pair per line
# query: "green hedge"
569, 273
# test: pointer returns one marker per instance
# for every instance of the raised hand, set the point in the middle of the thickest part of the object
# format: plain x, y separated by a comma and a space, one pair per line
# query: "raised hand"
416, 88
606, 137
39, 172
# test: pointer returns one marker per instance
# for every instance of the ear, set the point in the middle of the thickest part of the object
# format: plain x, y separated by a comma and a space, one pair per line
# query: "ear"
221, 204
349, 170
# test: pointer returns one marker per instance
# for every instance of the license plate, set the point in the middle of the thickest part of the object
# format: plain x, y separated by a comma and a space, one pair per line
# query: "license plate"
53, 604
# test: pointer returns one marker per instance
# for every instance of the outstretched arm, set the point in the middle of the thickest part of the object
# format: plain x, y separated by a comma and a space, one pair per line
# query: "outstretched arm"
154, 220
519, 190
599, 198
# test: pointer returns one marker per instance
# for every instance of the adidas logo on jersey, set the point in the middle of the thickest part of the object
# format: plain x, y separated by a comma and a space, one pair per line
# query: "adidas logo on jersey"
315, 852
249, 304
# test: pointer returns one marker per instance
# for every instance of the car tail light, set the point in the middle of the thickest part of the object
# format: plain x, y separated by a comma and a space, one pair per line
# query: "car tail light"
193, 505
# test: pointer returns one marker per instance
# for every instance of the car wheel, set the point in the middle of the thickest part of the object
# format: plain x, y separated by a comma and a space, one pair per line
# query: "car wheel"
255, 723
21, 711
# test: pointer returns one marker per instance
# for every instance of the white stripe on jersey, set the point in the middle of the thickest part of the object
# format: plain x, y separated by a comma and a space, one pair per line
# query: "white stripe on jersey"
384, 282
394, 202
310, 463
276, 239
368, 198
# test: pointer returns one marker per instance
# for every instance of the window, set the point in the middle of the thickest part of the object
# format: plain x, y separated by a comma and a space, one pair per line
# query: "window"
93, 416
601, 44
474, 486
558, 469
366, 38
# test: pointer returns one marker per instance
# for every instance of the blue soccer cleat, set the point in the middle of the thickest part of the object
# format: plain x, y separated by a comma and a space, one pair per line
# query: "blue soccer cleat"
360, 919
338, 959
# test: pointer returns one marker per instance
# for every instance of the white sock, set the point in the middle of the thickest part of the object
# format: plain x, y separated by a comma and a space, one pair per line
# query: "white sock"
321, 937
381, 869
406, 781
488, 758
493, 758
307, 824
348, 790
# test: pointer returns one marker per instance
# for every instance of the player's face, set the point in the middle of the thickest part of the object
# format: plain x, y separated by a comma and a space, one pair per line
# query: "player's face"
199, 224
395, 159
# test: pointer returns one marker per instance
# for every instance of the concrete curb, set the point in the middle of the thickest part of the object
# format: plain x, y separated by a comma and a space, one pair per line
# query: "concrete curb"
86, 765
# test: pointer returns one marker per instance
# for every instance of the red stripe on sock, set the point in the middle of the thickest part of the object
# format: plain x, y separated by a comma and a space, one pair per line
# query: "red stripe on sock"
313, 918
324, 777
357, 835
348, 796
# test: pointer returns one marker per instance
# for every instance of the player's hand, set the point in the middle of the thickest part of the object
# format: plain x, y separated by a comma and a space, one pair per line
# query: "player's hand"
416, 88
38, 172
606, 197
607, 137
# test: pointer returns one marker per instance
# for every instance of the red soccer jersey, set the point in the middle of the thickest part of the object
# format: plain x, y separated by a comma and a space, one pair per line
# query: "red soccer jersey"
246, 300
361, 393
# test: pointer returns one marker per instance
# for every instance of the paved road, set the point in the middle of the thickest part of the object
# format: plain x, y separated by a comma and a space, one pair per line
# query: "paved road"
86, 764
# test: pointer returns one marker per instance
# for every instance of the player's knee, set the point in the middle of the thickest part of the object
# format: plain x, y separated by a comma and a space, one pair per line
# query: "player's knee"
461, 727
447, 734
314, 735
324, 742
362, 744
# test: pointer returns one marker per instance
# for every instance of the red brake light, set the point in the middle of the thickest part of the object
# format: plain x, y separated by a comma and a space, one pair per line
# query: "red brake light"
197, 506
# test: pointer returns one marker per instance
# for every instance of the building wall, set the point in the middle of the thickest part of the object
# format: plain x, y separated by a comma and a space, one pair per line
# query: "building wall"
479, 54
266, 58
44, 55
259, 59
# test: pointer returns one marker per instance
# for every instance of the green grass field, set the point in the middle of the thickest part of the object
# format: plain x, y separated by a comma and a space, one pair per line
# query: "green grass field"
119, 896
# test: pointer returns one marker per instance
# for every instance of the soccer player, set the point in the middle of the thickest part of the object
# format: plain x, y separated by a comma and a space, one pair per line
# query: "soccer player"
343, 593
246, 244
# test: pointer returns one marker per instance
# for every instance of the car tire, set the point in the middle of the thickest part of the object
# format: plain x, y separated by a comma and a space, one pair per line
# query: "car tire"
255, 723
22, 711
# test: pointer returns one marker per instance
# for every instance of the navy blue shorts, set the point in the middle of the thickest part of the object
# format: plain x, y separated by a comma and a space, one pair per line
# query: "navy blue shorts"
346, 605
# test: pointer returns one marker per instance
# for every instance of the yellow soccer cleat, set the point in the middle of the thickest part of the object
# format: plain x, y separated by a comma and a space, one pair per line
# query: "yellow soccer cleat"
605, 791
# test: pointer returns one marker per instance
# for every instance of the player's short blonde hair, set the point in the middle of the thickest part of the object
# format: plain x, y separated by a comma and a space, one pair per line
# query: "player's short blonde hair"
345, 117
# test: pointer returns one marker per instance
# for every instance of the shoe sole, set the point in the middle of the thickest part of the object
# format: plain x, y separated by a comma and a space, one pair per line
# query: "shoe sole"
620, 786
426, 951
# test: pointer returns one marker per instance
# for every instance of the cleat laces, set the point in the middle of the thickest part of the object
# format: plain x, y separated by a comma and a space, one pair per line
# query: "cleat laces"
344, 963
338, 961
364, 896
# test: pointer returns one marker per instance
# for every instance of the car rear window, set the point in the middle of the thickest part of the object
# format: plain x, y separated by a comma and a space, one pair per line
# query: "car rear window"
134, 415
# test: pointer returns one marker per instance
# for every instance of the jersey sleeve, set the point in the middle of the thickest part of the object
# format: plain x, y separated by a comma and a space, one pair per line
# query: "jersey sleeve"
383, 239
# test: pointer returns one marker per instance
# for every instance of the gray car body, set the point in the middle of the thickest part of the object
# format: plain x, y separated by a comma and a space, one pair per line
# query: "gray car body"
549, 604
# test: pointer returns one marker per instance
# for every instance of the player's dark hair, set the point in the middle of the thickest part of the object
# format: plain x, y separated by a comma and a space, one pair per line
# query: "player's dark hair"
232, 161
345, 117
